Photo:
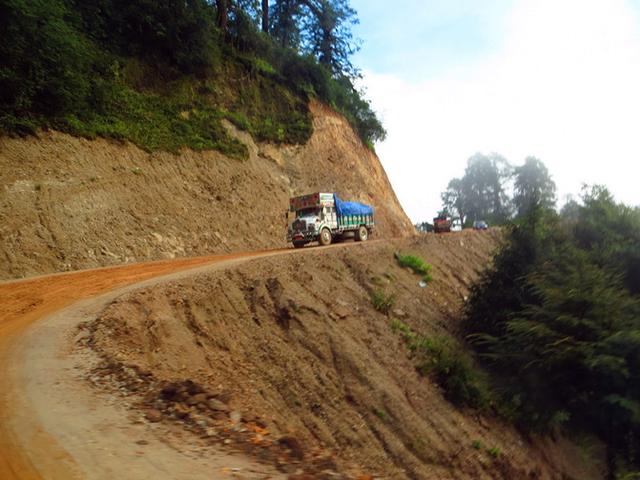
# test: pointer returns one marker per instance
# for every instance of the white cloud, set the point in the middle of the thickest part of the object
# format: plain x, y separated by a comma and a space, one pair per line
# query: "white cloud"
565, 87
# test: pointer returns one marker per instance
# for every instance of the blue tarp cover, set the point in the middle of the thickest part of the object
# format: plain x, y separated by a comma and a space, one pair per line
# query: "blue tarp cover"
351, 208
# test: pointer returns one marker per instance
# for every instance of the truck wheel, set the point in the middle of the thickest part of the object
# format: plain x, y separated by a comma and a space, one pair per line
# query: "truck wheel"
362, 234
298, 244
325, 237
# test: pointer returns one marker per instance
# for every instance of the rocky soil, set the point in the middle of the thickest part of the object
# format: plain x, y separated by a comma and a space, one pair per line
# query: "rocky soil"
285, 358
68, 203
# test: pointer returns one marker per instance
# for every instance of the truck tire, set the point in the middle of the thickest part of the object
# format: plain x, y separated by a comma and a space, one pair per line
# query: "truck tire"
325, 237
362, 234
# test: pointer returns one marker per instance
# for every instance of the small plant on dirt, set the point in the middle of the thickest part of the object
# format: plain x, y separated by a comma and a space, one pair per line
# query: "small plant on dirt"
380, 413
476, 444
398, 326
381, 302
494, 452
416, 264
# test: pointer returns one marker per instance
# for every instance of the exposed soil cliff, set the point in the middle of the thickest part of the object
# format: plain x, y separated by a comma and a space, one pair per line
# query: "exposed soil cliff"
68, 203
294, 345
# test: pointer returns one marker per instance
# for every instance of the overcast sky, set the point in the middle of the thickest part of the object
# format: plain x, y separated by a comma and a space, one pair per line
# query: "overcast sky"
556, 79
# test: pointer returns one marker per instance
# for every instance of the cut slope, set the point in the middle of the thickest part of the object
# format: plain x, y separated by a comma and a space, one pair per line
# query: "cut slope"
68, 203
295, 341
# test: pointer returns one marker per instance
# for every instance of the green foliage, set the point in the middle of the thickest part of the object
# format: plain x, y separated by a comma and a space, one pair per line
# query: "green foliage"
416, 264
382, 302
494, 452
45, 63
152, 121
178, 33
449, 364
159, 74
557, 320
477, 444
480, 194
327, 35
533, 186
454, 371
380, 413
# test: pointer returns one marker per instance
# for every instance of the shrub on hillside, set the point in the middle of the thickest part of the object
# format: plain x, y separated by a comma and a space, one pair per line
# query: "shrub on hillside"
382, 302
45, 63
557, 320
449, 364
416, 264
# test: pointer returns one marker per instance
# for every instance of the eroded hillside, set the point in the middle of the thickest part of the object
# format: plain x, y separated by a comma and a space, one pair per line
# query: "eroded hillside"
294, 346
68, 203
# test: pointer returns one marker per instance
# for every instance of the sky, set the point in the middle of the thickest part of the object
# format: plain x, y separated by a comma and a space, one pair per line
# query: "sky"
554, 79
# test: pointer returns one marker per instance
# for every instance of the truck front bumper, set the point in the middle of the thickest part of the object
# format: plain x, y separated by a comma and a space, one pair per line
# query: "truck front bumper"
302, 236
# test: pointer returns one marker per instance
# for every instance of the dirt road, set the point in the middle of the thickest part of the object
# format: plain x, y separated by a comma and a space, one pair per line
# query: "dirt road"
22, 304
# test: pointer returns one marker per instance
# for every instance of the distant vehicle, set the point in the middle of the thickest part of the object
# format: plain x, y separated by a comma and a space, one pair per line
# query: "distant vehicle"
480, 225
324, 217
442, 224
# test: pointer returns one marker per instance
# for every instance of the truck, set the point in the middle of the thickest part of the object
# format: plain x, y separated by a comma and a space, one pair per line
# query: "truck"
324, 218
442, 224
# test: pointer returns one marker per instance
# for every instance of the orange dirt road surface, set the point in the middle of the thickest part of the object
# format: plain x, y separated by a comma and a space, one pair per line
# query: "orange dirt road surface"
25, 301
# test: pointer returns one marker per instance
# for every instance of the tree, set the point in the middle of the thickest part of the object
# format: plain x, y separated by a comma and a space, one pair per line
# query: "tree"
453, 200
480, 193
533, 185
45, 62
265, 16
556, 319
328, 36
285, 28
222, 14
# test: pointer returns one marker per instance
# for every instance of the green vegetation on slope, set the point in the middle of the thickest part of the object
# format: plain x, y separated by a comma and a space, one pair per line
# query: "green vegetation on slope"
451, 366
160, 74
416, 264
557, 322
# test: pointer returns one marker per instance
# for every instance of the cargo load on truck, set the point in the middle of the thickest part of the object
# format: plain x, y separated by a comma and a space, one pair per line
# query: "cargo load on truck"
324, 217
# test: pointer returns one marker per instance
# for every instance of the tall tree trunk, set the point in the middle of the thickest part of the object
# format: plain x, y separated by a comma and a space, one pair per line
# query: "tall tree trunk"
265, 16
223, 14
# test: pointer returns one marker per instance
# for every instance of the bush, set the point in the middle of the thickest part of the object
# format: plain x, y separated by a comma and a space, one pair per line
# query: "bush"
451, 367
557, 322
416, 264
180, 34
381, 302
45, 63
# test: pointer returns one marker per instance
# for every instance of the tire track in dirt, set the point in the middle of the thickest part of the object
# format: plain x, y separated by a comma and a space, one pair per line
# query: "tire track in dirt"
24, 302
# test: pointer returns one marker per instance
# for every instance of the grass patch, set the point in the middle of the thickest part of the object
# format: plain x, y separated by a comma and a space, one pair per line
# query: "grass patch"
382, 302
416, 264
495, 452
443, 359
380, 413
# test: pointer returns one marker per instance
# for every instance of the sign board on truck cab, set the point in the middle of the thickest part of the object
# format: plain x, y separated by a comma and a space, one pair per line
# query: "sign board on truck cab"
312, 200
324, 217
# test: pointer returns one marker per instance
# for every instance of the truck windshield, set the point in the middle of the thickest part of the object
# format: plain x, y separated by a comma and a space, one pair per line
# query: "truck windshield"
308, 212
